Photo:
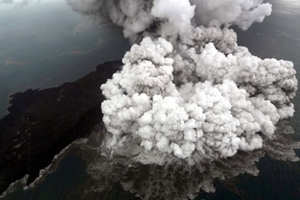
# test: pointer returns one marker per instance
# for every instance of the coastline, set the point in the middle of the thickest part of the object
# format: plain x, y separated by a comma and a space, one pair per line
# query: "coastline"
41, 123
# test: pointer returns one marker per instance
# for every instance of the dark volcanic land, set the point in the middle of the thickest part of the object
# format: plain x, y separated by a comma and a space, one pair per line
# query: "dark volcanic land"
42, 123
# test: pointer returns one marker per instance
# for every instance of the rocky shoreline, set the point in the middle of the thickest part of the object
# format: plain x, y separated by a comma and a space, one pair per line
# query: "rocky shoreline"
43, 122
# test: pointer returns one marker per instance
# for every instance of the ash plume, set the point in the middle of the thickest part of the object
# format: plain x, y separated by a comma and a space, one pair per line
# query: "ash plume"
187, 90
175, 179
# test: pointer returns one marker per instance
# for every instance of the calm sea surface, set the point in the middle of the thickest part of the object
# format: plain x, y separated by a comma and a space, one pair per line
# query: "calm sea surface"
278, 36
47, 44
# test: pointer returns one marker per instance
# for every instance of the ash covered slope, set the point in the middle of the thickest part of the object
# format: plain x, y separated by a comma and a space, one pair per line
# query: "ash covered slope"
42, 123
188, 89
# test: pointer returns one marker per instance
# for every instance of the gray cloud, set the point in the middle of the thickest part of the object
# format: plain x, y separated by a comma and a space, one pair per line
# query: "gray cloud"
19, 2
187, 89
145, 180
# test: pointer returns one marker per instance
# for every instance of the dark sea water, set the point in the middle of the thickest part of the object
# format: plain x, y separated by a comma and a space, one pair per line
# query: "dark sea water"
279, 37
47, 44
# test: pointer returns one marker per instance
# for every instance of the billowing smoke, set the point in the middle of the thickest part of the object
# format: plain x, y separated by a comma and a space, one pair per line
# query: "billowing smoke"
186, 88
175, 180
239, 12
161, 17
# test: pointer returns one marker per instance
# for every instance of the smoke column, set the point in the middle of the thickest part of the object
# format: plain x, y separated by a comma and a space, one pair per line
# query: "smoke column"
187, 90
175, 180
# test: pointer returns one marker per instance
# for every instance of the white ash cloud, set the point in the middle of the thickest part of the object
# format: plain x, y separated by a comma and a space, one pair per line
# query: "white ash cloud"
188, 89
137, 17
212, 111
133, 15
145, 180
242, 13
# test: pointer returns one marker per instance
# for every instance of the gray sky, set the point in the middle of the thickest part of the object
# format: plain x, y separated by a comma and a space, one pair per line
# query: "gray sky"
21, 3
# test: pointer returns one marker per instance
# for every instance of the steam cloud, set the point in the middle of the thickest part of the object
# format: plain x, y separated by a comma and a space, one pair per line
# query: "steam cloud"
186, 88
175, 179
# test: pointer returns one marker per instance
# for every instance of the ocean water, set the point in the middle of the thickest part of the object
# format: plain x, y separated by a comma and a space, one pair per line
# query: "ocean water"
47, 44
279, 37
